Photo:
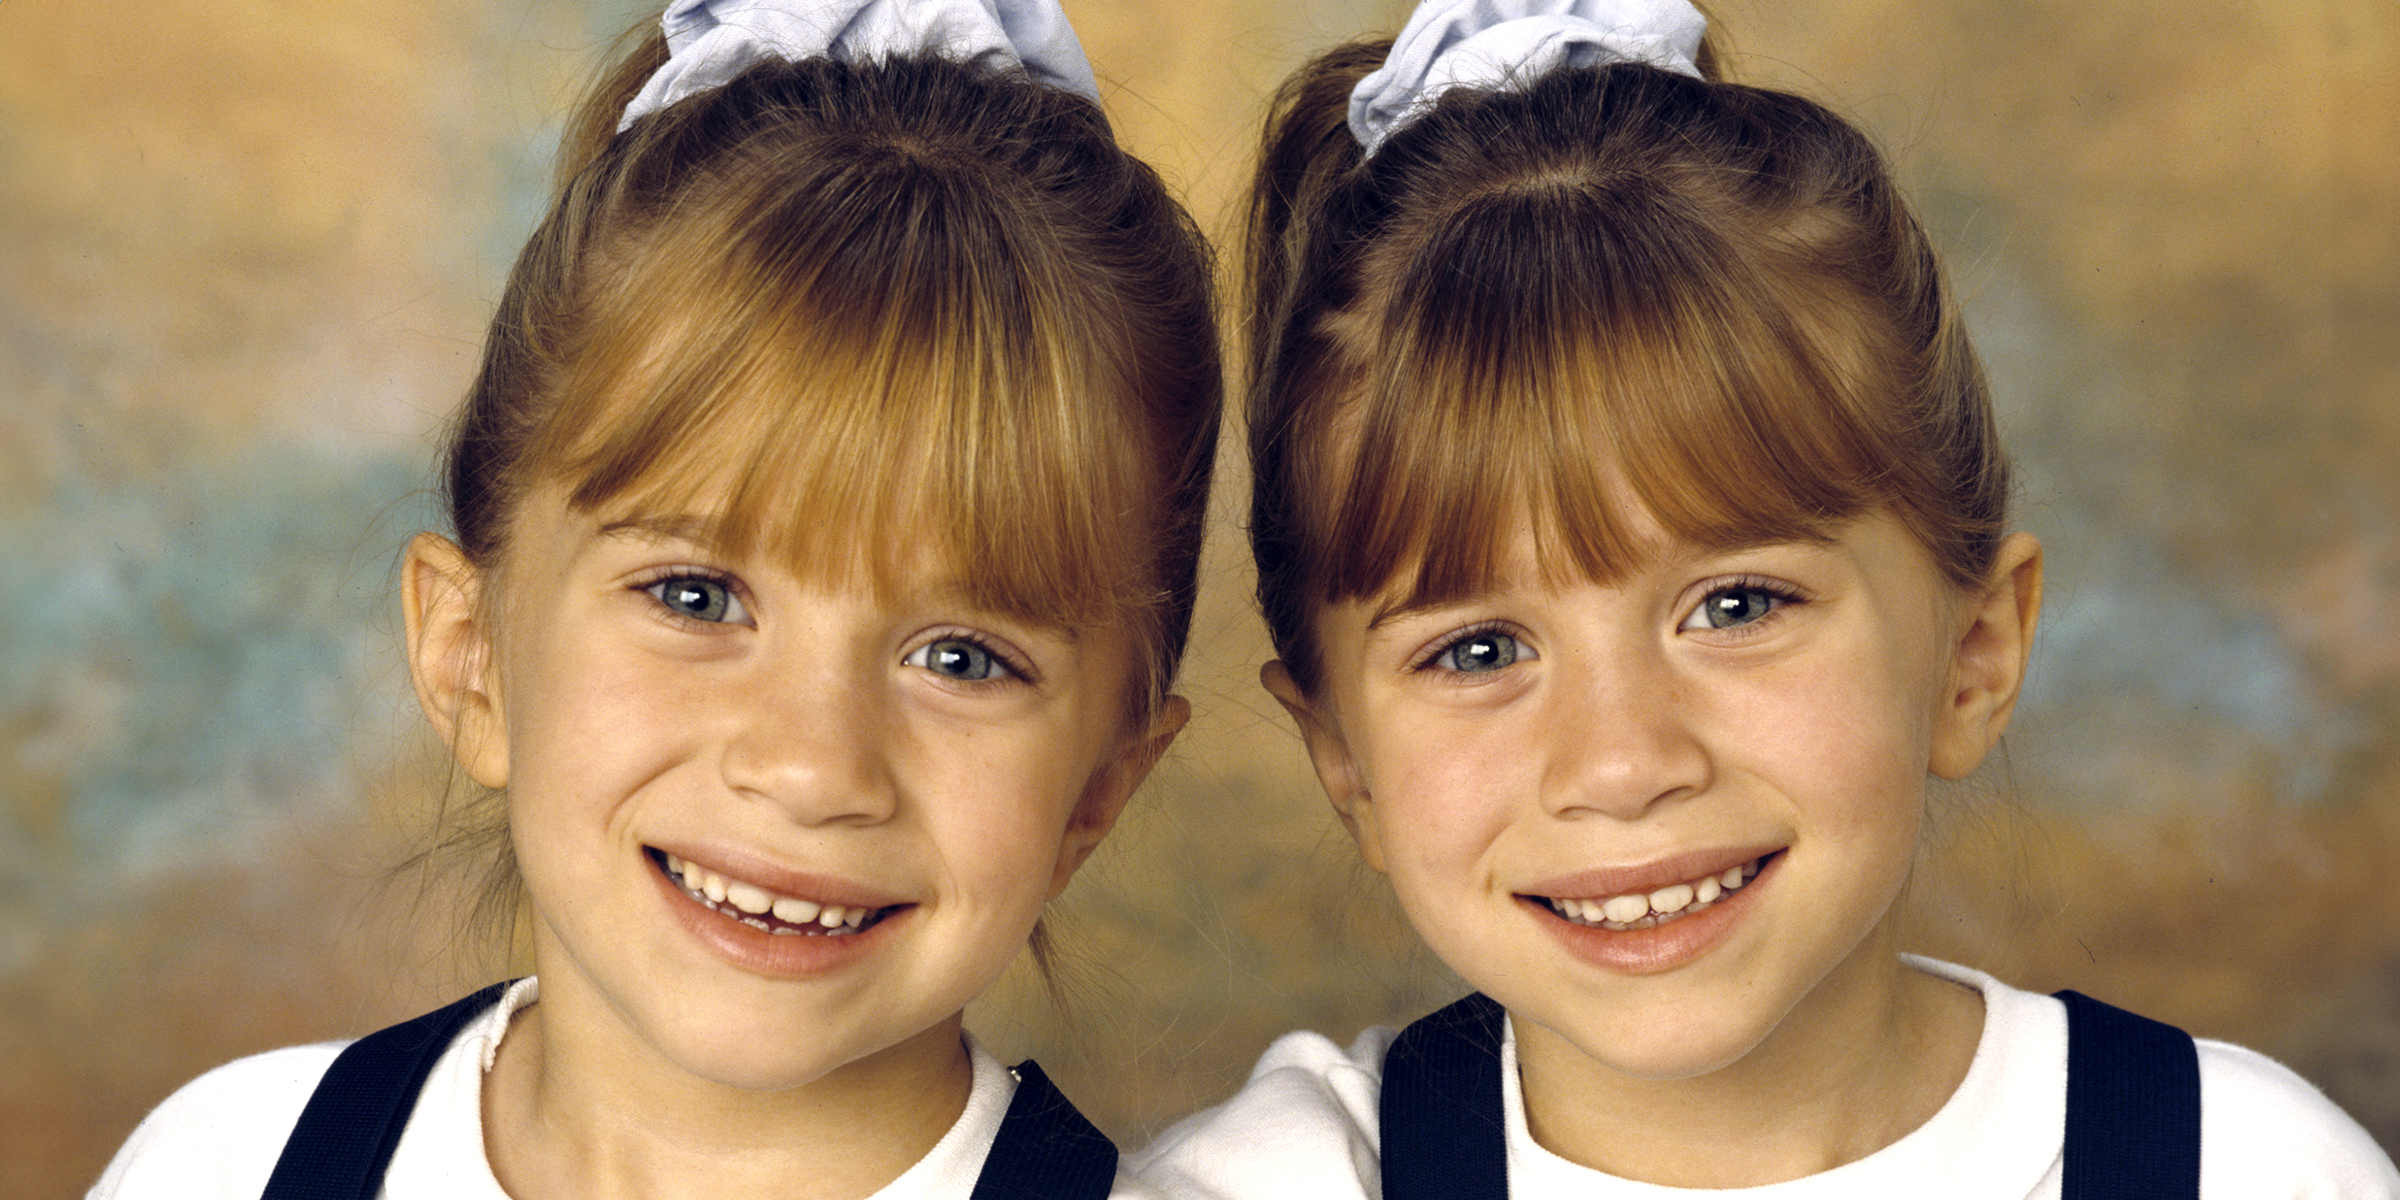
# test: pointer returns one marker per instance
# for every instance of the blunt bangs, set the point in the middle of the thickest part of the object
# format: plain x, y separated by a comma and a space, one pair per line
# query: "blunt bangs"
1554, 352
859, 375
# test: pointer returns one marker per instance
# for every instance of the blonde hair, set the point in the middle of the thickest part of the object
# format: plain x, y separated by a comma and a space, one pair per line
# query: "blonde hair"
890, 311
1608, 284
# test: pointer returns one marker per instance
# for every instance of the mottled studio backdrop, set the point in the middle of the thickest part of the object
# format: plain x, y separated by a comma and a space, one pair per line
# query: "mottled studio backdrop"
247, 249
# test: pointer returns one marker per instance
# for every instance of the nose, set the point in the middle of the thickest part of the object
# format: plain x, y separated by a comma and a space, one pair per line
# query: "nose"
814, 745
1624, 740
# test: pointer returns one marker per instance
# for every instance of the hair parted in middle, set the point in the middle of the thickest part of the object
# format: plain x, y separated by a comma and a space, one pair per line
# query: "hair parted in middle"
1607, 286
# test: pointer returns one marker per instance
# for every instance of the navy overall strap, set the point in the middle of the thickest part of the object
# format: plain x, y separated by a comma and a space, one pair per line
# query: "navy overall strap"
2133, 1106
1046, 1150
346, 1134
1444, 1137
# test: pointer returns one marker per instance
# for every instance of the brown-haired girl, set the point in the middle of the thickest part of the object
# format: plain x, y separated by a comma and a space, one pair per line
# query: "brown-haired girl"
827, 512
1630, 523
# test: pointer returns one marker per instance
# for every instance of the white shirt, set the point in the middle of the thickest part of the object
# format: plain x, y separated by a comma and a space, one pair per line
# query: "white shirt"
1305, 1127
220, 1135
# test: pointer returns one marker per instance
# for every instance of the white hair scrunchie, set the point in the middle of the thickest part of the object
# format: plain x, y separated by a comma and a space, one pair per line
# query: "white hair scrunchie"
711, 41
1498, 43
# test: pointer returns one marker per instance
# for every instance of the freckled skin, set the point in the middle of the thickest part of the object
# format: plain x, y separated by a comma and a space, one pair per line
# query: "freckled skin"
1629, 729
803, 736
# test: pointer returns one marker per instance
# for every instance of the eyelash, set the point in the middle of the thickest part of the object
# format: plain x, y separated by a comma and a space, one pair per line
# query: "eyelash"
1780, 596
1427, 661
736, 600
1013, 669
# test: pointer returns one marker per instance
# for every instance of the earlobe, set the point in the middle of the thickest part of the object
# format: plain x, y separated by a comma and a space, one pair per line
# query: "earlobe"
449, 655
1337, 769
1988, 668
1105, 797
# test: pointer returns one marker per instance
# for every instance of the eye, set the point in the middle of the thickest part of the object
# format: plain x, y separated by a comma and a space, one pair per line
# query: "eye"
960, 658
1480, 651
700, 598
1737, 605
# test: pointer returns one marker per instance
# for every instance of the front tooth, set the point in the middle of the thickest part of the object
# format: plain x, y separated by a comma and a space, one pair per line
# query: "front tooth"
1670, 898
1625, 908
712, 885
796, 912
1709, 889
831, 916
1732, 878
752, 900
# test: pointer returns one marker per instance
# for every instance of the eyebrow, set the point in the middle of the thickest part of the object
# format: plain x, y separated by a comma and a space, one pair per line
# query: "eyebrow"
685, 527
707, 533
1400, 606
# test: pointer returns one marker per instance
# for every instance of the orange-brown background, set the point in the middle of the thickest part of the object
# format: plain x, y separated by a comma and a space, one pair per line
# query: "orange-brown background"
246, 250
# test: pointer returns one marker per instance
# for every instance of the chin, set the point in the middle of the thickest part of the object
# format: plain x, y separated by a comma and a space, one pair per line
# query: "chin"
1660, 1051
745, 1068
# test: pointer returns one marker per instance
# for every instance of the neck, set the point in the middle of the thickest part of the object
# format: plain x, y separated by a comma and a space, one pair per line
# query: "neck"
567, 1114
1868, 1056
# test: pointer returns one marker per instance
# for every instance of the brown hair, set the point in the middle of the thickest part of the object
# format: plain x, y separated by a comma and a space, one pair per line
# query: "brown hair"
1609, 284
894, 309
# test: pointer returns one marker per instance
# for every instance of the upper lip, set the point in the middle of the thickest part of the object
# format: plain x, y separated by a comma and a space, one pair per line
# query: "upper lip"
1689, 865
757, 871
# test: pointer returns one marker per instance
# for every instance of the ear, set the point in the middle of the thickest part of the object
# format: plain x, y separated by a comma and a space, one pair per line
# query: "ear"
1105, 797
1988, 669
450, 656
1337, 768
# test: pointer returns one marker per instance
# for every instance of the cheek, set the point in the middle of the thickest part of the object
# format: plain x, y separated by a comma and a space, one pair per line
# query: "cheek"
1442, 798
998, 808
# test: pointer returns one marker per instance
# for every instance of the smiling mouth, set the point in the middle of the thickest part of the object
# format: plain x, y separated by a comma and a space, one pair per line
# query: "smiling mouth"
1659, 906
772, 912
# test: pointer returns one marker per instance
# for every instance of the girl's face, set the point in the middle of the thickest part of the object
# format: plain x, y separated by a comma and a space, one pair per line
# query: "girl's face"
771, 829
1652, 817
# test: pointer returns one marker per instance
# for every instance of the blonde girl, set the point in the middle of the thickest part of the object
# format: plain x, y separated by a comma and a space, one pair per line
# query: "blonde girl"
1631, 525
826, 517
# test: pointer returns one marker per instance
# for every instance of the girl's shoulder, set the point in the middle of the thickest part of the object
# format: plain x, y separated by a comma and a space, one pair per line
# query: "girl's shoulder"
220, 1134
2265, 1131
1307, 1115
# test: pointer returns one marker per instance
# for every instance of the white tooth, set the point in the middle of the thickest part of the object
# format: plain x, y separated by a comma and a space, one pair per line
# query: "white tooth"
747, 898
854, 917
831, 916
712, 885
1625, 908
674, 865
1732, 878
1591, 910
1708, 890
1670, 898
797, 912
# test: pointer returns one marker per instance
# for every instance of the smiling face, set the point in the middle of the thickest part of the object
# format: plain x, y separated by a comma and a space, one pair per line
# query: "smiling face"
771, 829
1654, 816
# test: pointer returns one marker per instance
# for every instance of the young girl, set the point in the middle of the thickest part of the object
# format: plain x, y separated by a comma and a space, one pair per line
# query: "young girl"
827, 516
1630, 524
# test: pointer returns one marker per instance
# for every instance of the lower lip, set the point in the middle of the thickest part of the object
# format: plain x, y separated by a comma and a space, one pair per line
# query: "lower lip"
1661, 947
779, 955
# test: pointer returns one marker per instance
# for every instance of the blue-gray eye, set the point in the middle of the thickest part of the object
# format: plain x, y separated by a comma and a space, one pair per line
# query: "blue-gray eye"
1477, 653
1726, 608
958, 658
699, 598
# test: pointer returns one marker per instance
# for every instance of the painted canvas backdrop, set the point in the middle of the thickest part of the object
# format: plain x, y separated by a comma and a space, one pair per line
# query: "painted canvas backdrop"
247, 249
